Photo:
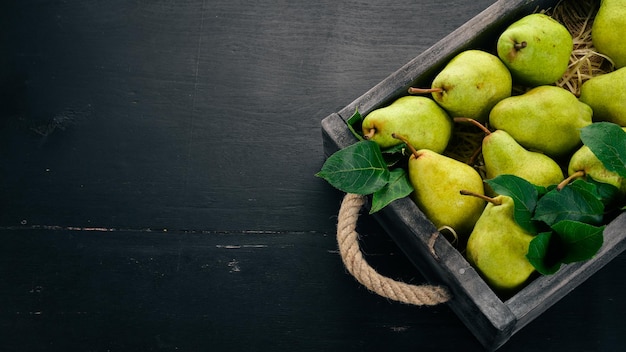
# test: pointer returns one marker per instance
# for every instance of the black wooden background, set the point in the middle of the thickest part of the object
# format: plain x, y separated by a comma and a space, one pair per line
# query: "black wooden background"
157, 188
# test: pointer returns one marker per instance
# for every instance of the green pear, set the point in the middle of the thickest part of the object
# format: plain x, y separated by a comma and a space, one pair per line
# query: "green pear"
536, 49
547, 119
606, 95
470, 84
424, 123
585, 163
497, 246
437, 180
607, 30
503, 155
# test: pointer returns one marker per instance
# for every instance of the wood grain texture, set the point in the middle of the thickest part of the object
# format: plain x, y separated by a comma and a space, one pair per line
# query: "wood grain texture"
134, 290
191, 115
157, 189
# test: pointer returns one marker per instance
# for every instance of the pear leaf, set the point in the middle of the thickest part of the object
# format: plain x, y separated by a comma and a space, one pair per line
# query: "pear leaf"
398, 187
538, 251
608, 142
394, 155
358, 168
568, 242
578, 201
586, 186
354, 121
607, 193
524, 194
580, 241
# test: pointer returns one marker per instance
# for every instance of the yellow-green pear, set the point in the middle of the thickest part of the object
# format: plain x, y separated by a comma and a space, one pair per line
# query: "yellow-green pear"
547, 119
424, 123
497, 246
470, 84
536, 49
585, 163
437, 180
606, 95
607, 31
503, 155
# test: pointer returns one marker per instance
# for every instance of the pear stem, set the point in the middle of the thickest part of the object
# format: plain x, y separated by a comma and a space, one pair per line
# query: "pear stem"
494, 201
519, 46
370, 133
414, 90
473, 122
406, 141
570, 178
474, 156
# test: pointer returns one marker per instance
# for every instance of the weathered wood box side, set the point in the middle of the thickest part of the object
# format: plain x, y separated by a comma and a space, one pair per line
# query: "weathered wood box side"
492, 320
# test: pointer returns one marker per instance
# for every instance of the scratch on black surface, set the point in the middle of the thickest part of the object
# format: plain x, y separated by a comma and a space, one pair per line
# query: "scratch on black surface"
25, 227
60, 121
239, 246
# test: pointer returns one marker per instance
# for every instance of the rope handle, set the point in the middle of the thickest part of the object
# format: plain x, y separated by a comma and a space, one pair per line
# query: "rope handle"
357, 266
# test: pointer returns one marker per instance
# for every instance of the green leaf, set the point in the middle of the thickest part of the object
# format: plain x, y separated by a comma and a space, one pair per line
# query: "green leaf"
398, 187
353, 122
608, 142
359, 168
568, 242
524, 194
394, 155
607, 193
578, 201
538, 251
585, 186
580, 241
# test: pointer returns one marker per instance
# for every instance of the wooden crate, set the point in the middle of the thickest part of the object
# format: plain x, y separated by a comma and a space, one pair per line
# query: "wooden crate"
492, 320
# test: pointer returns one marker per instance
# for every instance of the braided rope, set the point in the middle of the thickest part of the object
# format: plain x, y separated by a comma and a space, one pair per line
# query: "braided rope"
351, 255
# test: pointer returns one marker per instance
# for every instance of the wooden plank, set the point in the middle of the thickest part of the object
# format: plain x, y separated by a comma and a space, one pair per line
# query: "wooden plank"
95, 289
